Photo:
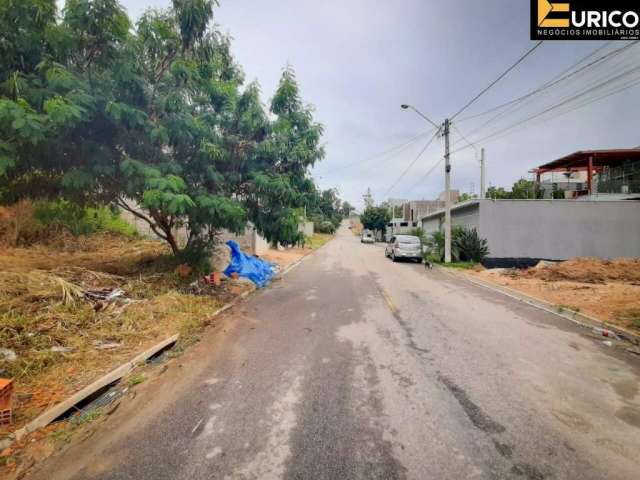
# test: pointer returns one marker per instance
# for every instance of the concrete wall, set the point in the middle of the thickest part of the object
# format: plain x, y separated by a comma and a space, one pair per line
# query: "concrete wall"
550, 229
560, 229
467, 216
306, 228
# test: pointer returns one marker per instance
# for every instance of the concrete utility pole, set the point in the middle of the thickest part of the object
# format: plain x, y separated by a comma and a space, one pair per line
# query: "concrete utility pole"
482, 190
447, 193
447, 179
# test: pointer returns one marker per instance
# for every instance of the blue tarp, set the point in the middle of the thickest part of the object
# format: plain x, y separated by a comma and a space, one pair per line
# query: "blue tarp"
253, 268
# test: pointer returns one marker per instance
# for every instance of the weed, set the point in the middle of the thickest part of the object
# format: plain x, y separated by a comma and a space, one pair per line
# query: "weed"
562, 307
136, 380
629, 315
61, 434
85, 417
317, 240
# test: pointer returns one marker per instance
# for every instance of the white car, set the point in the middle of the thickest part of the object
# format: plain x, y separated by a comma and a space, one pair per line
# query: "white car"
367, 237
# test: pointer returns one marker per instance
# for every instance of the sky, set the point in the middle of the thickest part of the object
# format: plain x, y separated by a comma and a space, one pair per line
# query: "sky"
357, 61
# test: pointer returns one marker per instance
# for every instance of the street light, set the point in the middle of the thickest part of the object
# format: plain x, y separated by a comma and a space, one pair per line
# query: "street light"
404, 106
447, 180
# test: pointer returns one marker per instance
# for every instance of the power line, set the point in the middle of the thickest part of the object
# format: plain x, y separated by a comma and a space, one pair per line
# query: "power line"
392, 150
550, 84
504, 74
562, 103
411, 164
466, 140
424, 177
561, 76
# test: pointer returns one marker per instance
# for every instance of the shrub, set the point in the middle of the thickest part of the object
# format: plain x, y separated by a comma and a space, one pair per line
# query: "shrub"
469, 246
466, 245
65, 215
325, 226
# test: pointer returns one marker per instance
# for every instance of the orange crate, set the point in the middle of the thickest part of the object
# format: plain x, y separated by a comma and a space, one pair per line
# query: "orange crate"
6, 390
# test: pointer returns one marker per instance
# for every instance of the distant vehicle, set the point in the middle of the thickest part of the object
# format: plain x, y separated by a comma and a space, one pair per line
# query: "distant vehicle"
404, 246
367, 237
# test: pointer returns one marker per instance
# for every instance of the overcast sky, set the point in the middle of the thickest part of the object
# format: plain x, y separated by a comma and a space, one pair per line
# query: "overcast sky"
358, 60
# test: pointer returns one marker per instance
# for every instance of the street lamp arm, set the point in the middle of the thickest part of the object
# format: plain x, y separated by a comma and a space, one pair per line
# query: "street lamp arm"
405, 106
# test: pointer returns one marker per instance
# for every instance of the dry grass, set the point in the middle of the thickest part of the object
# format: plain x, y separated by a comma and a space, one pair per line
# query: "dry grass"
317, 240
56, 332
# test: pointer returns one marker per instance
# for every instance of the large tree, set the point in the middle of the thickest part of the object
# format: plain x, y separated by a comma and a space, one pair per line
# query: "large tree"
154, 118
375, 218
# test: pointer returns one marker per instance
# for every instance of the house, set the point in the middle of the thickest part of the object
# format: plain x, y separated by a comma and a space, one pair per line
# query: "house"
522, 232
592, 175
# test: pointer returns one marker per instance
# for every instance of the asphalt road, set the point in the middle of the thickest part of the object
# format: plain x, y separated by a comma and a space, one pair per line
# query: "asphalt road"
354, 367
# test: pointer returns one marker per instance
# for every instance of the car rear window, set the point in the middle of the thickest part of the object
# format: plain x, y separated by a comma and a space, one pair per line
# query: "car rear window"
407, 239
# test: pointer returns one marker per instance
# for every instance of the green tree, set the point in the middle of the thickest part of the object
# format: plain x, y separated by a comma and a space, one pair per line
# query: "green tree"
346, 209
524, 188
466, 196
375, 218
154, 118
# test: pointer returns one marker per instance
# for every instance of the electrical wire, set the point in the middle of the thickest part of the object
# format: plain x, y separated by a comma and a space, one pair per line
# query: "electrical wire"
410, 164
504, 74
424, 177
466, 140
560, 104
393, 150
561, 76
552, 83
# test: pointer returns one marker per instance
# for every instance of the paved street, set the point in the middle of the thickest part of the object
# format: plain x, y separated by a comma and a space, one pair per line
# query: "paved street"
354, 367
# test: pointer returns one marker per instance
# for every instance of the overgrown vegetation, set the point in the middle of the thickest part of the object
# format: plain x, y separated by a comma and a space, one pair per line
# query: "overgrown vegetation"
155, 115
27, 223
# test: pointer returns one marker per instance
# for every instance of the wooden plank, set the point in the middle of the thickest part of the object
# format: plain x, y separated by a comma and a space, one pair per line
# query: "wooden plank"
54, 412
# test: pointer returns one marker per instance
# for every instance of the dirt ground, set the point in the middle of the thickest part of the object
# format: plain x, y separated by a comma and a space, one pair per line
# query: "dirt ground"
288, 256
607, 290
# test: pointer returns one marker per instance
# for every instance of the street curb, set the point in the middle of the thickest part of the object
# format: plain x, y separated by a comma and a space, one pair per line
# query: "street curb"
578, 318
54, 412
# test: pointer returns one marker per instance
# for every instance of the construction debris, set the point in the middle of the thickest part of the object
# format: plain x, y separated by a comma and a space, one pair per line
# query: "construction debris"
7, 355
6, 391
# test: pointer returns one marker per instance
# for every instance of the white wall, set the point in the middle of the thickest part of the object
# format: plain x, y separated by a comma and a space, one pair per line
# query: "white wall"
551, 229
560, 229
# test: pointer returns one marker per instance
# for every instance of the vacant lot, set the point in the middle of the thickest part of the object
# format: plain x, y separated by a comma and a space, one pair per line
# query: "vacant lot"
607, 290
56, 338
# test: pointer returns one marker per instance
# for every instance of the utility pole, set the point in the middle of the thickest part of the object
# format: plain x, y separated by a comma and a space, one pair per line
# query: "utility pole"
447, 193
482, 190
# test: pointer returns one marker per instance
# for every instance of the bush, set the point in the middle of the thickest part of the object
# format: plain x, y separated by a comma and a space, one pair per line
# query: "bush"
469, 246
466, 245
65, 215
325, 226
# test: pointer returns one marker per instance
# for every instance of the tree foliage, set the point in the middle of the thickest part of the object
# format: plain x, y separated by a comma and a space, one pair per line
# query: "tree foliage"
375, 218
154, 117
521, 189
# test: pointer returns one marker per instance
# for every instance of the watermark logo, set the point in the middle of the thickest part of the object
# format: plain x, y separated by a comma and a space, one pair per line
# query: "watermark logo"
585, 20
545, 8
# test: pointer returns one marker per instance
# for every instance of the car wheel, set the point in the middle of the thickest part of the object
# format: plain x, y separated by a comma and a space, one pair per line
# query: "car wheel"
419, 260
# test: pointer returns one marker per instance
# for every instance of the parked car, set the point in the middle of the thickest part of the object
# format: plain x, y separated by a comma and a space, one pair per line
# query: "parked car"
404, 246
367, 237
